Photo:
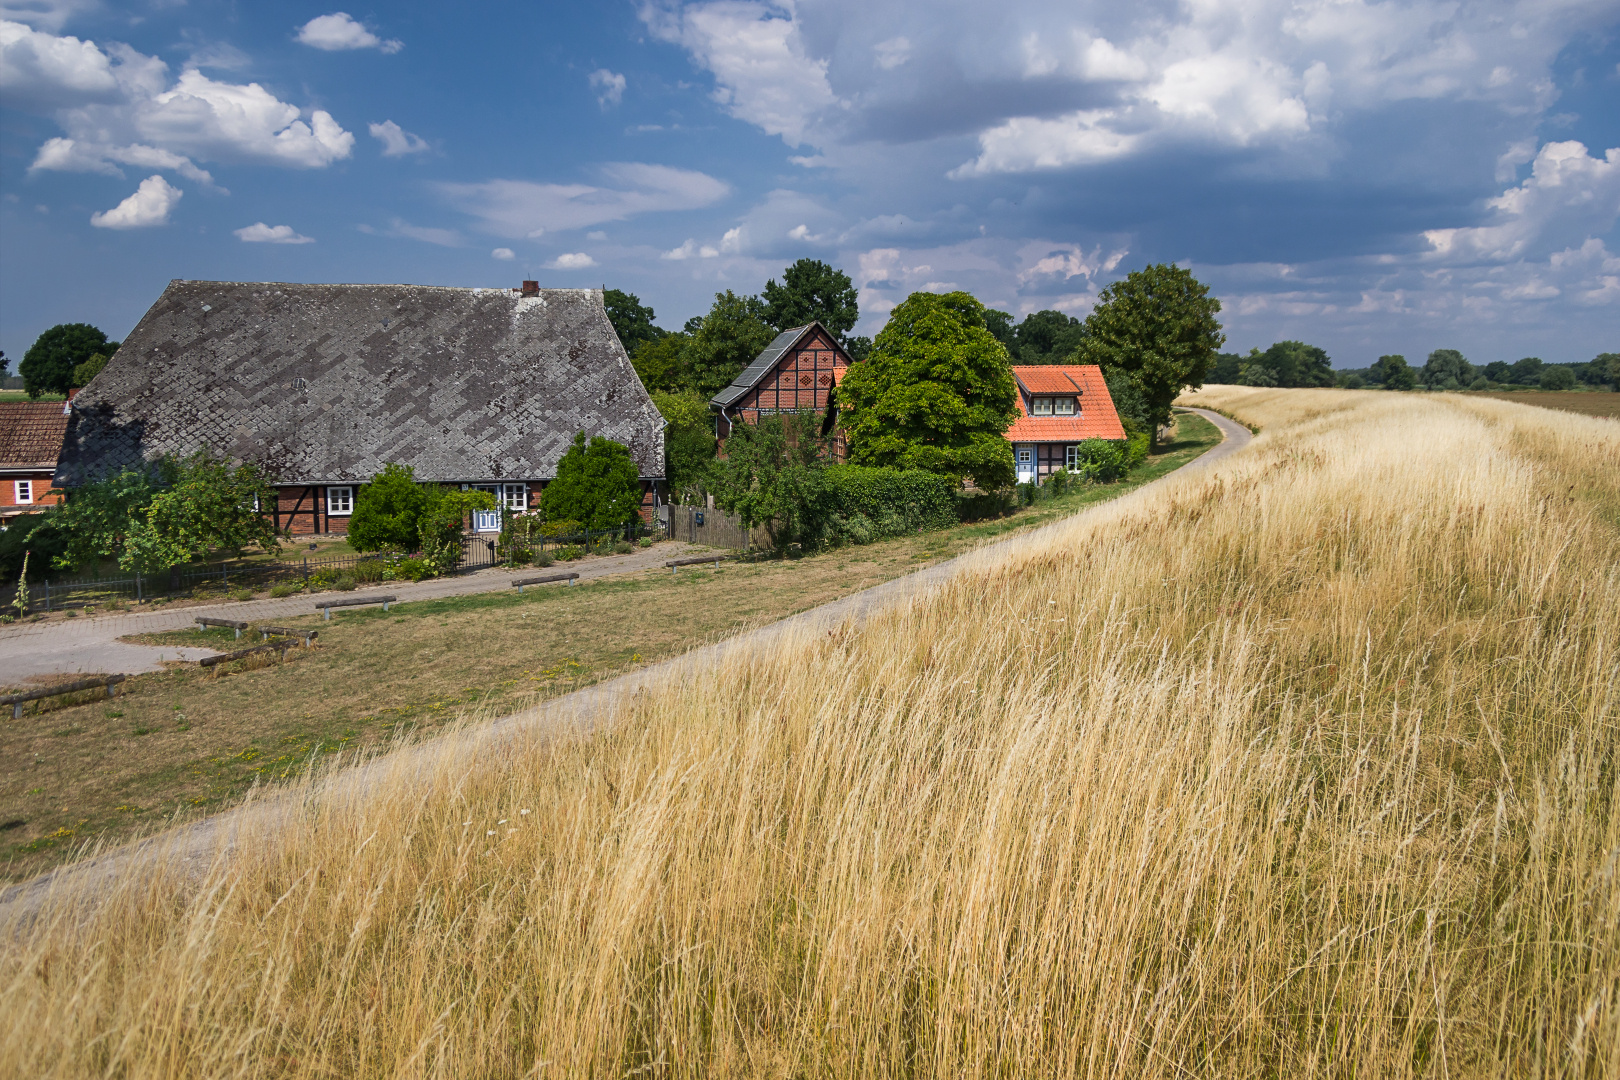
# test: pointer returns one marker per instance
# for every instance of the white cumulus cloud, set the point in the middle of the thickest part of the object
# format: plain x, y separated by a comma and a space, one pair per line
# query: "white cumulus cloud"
1568, 197
397, 142
150, 205
260, 233
503, 254
339, 32
51, 71
609, 87
575, 260
522, 208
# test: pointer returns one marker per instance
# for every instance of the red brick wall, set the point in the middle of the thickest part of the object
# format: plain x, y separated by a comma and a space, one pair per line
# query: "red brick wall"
44, 493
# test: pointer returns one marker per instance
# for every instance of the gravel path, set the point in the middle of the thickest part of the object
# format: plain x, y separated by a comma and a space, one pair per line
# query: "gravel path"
90, 645
196, 846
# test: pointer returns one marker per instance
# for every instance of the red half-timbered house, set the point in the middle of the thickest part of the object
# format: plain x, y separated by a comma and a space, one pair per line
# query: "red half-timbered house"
796, 373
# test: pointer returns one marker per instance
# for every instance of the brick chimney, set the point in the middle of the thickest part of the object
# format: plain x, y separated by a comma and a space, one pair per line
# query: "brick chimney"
530, 288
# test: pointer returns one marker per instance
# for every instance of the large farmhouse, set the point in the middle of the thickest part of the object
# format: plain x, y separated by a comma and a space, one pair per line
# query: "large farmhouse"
1059, 407
325, 385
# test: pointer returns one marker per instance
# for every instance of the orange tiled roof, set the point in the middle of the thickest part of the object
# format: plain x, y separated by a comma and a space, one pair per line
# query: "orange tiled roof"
31, 433
1096, 420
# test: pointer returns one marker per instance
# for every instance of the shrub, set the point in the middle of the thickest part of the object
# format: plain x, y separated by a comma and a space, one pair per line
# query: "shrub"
563, 527
345, 584
388, 510
623, 547
543, 559
282, 591
646, 541
241, 593
1102, 461
323, 578
369, 570
570, 552
414, 569
520, 556
858, 504
598, 483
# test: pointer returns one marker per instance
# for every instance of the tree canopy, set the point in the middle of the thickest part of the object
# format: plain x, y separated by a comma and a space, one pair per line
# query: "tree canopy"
1158, 326
689, 442
662, 364
811, 290
48, 365
772, 474
936, 393
1287, 363
730, 336
388, 511
1047, 337
1393, 372
597, 484
1446, 369
632, 320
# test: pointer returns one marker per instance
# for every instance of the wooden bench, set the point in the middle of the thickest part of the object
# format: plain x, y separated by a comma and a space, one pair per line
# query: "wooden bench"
675, 564
287, 631
229, 624
16, 700
518, 583
282, 645
354, 601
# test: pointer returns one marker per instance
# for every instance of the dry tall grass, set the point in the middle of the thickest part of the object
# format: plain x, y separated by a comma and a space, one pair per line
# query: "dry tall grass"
1304, 765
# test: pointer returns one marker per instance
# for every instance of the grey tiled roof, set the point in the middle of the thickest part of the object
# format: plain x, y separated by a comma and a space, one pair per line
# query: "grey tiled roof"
332, 382
761, 367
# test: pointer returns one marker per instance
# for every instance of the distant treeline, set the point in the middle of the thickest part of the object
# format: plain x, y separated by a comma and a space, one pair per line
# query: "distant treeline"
1294, 363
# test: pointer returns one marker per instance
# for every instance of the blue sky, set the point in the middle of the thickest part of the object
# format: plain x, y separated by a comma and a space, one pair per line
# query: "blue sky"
1369, 177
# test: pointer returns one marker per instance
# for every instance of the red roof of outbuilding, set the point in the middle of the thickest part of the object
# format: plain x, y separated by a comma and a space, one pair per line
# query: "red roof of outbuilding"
31, 433
1096, 418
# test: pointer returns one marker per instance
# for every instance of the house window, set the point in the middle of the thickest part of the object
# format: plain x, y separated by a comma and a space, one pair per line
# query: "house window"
1043, 406
515, 497
1071, 457
1026, 455
340, 501
1063, 406
25, 491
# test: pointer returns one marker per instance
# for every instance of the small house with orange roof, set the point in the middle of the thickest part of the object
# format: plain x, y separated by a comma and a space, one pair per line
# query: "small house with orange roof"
31, 434
1060, 406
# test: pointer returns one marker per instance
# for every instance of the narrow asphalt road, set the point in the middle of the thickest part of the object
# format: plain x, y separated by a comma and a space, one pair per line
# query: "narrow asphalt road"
195, 846
90, 645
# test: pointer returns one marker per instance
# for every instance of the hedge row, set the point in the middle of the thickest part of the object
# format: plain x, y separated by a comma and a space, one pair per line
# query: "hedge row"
858, 504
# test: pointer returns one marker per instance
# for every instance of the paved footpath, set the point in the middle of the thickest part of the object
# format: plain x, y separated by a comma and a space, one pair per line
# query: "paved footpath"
196, 846
89, 645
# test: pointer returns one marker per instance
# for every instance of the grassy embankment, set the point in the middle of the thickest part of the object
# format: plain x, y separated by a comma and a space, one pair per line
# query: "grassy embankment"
188, 742
1301, 766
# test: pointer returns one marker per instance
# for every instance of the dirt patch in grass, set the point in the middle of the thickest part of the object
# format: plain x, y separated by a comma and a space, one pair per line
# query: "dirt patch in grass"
1590, 402
188, 741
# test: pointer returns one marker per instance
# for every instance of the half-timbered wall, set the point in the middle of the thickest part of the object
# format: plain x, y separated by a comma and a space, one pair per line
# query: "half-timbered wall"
801, 381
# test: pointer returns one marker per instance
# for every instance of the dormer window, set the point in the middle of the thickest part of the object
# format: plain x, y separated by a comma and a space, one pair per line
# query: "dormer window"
1048, 406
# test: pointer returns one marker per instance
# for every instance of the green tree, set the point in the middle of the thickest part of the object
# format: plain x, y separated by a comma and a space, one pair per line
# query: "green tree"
89, 369
689, 443
1001, 327
97, 517
1226, 369
388, 511
1290, 363
210, 507
1605, 366
772, 475
730, 336
48, 365
1158, 326
859, 348
597, 485
1048, 337
936, 393
1393, 372
812, 291
663, 364
632, 320
1557, 377
1526, 372
1447, 370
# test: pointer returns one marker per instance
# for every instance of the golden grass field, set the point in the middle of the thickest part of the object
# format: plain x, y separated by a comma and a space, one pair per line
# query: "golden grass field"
1301, 765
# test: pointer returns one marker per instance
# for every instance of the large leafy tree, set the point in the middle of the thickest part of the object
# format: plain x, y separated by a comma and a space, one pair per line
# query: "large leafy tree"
1393, 372
812, 290
936, 393
597, 484
48, 365
730, 336
1288, 363
388, 511
173, 512
1446, 369
632, 320
689, 443
1158, 327
1048, 337
663, 364
772, 475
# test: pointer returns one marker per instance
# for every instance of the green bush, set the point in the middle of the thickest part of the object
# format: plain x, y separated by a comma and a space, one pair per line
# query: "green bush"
570, 553
597, 482
623, 547
388, 511
981, 505
565, 527
414, 569
646, 541
543, 559
370, 571
241, 593
324, 578
520, 556
1102, 461
858, 504
282, 591
345, 584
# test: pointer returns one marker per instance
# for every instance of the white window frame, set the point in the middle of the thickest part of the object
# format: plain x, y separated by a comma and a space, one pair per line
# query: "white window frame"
1071, 457
515, 497
1063, 406
332, 499
23, 490
1042, 407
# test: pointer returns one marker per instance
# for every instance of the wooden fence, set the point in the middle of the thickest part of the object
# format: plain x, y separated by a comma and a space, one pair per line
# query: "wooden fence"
716, 529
